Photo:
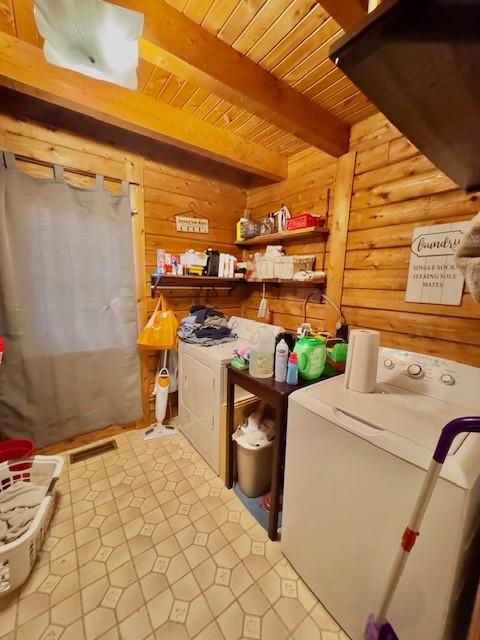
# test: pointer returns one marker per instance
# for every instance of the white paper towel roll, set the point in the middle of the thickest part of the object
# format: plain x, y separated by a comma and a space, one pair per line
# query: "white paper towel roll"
362, 359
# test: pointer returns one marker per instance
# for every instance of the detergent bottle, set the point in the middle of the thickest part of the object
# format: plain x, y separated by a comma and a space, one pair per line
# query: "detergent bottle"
312, 354
262, 353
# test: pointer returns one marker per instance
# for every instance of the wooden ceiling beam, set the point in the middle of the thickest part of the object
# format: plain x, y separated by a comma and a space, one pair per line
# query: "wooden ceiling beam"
177, 43
24, 69
346, 13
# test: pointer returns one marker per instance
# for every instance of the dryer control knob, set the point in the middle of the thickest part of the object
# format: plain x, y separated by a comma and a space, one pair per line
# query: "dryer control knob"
446, 378
389, 364
414, 370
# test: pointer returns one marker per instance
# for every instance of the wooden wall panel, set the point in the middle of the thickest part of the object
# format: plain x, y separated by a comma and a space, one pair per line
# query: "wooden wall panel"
311, 176
395, 190
170, 191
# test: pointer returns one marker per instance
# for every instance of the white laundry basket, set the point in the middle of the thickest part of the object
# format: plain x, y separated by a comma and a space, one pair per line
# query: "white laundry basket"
17, 557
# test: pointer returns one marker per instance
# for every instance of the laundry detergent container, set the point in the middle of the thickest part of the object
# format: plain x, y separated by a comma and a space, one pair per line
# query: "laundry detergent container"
254, 468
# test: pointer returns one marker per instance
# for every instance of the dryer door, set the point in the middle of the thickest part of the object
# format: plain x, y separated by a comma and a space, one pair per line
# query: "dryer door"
198, 387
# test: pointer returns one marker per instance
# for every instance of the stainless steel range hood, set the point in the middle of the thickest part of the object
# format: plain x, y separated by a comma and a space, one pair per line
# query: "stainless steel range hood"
419, 62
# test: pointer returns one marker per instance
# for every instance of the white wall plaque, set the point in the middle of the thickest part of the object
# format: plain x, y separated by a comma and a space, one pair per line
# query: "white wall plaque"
432, 275
189, 224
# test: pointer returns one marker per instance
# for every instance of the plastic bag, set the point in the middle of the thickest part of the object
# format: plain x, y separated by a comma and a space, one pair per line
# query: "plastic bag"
160, 332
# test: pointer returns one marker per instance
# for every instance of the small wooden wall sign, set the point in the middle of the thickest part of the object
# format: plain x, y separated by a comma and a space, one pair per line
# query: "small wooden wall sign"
432, 275
189, 224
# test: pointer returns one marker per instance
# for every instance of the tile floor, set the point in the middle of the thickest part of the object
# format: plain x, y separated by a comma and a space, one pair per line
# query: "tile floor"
146, 543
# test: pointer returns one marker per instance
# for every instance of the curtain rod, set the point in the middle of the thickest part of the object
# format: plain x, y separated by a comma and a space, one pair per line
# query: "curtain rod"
80, 172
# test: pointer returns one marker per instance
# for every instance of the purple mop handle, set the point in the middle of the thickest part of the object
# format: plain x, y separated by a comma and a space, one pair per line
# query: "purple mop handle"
450, 431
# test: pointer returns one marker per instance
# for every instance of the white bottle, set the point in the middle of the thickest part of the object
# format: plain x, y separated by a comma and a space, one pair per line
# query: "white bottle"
281, 361
262, 354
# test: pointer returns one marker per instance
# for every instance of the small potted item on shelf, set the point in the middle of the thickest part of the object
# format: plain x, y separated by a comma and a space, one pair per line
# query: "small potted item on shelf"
304, 221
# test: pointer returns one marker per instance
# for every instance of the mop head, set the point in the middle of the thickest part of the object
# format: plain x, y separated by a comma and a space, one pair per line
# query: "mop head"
156, 431
379, 630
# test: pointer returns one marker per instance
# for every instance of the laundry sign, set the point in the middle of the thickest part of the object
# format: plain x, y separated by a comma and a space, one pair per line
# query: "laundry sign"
189, 224
433, 277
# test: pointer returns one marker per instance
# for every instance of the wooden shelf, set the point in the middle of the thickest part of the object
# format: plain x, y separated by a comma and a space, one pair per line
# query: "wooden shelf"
212, 282
192, 282
285, 236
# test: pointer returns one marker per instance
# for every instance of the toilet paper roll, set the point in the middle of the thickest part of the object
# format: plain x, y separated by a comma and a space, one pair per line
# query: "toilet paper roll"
362, 359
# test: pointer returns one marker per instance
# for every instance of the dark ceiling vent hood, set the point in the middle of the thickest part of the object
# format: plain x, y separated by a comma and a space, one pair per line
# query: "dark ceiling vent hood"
419, 62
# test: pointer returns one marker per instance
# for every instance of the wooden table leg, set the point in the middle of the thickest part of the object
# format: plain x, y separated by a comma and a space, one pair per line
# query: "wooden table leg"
277, 468
230, 429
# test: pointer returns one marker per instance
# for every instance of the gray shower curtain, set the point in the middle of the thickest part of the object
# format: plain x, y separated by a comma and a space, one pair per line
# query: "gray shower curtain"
67, 308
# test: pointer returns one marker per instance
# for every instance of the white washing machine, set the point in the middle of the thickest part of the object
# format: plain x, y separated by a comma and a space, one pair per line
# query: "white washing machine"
202, 387
354, 466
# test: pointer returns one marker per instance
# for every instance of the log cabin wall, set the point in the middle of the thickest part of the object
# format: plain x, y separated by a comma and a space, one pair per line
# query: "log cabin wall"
396, 189
170, 191
309, 187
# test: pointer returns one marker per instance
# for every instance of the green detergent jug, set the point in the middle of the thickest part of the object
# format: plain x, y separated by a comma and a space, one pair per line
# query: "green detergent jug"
312, 354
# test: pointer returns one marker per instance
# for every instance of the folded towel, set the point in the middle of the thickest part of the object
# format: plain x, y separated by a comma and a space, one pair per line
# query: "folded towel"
468, 257
18, 507
21, 494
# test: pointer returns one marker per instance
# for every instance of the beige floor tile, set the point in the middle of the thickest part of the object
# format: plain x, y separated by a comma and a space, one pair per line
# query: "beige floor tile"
172, 631
67, 586
74, 631
34, 628
195, 555
253, 601
159, 608
93, 595
240, 580
231, 622
67, 612
131, 600
52, 632
8, 613
32, 606
290, 611
212, 632
270, 583
152, 584
120, 555
273, 628
144, 562
177, 568
186, 589
205, 573
137, 626
199, 615
98, 622
123, 576
91, 572
308, 630
257, 566
112, 597
218, 598
323, 619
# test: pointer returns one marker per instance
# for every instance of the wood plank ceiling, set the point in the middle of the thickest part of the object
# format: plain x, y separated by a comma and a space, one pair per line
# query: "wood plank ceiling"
288, 38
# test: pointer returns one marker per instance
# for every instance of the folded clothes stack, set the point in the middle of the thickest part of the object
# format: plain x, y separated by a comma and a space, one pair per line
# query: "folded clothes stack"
18, 506
205, 326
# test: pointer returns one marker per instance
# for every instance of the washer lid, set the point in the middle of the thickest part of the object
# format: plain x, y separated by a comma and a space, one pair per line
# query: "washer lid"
399, 411
219, 354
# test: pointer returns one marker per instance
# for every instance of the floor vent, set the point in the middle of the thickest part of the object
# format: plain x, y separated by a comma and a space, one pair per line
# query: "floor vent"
91, 452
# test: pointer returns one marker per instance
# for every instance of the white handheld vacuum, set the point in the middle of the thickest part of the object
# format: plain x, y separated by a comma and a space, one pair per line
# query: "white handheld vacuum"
160, 391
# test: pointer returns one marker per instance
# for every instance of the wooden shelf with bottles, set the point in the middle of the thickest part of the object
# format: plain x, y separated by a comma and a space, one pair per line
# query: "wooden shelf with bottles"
284, 236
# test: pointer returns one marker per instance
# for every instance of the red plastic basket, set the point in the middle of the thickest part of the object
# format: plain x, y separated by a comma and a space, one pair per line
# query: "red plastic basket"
17, 450
303, 221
